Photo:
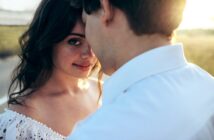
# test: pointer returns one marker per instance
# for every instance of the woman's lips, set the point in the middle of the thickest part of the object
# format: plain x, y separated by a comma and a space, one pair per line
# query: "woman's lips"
83, 67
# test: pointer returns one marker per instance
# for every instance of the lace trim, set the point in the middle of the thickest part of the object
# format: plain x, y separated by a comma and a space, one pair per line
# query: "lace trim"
36, 122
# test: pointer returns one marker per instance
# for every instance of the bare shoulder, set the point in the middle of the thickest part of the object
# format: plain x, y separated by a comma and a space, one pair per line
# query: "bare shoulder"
94, 81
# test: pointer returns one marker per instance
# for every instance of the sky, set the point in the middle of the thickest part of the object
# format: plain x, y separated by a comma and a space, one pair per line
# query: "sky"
19, 5
198, 13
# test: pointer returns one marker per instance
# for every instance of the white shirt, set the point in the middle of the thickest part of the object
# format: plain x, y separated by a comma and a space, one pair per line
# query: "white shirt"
157, 95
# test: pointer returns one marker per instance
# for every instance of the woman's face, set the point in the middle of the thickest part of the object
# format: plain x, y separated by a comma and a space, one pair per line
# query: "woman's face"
73, 56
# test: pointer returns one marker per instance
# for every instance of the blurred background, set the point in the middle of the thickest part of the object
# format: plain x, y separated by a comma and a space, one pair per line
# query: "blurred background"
196, 32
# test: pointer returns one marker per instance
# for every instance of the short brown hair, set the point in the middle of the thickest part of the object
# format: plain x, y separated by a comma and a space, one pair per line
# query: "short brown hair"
146, 16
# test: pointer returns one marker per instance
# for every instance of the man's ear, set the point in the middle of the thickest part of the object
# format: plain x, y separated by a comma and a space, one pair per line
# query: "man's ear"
107, 12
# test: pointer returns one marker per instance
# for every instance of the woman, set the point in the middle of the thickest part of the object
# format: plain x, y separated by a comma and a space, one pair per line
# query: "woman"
55, 91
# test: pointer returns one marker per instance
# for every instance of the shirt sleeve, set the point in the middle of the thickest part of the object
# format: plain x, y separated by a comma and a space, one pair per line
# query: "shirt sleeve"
14, 126
10, 133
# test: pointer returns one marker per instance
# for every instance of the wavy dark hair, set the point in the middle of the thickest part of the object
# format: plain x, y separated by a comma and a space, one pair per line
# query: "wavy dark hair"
52, 22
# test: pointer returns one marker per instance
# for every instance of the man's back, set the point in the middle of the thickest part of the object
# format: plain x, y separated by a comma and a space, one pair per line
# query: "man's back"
176, 104
162, 98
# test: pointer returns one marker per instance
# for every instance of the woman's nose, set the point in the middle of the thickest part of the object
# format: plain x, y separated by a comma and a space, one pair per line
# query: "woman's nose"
87, 52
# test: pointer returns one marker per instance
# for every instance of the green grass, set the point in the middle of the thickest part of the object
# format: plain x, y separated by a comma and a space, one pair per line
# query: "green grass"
9, 37
199, 48
198, 44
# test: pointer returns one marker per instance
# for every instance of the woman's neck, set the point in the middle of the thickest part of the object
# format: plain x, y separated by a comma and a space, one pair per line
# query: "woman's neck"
60, 84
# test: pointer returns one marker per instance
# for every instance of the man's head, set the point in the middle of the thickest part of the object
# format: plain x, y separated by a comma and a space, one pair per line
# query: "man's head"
143, 17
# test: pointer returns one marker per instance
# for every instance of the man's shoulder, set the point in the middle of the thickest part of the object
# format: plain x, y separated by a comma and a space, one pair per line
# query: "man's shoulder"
189, 73
182, 83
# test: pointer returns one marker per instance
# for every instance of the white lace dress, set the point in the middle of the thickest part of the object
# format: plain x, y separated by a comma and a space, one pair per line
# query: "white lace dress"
15, 126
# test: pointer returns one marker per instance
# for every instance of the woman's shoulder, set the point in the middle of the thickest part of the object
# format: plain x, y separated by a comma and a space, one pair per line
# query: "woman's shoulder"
17, 126
94, 83
94, 80
96, 89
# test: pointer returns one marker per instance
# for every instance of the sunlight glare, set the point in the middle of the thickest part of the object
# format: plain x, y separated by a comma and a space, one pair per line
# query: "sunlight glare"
198, 14
18, 5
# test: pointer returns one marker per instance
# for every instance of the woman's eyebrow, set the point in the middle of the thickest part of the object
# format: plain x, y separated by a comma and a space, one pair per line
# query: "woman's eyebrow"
78, 34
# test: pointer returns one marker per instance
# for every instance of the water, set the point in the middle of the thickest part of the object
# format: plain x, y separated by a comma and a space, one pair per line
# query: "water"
3, 100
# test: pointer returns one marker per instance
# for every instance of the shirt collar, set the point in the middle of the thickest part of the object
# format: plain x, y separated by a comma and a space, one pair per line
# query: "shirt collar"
152, 62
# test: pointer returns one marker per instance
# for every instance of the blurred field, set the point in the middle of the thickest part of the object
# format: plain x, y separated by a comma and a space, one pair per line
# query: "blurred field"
199, 47
9, 38
199, 44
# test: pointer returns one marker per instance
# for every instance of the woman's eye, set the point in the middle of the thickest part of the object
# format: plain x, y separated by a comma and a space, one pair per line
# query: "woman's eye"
74, 42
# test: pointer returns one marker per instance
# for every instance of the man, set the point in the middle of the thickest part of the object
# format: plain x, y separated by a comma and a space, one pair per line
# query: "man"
153, 92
